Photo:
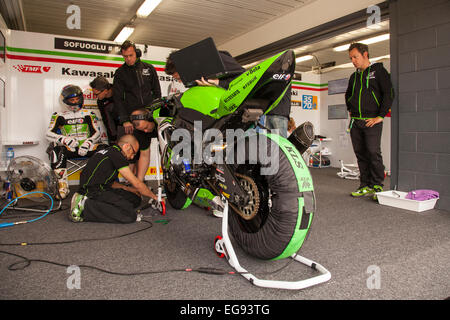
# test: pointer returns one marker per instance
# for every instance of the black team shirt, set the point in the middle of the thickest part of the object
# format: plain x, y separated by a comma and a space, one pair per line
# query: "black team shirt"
101, 171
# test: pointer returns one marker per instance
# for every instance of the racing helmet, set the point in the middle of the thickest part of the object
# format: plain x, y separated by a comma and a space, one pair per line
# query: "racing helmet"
72, 91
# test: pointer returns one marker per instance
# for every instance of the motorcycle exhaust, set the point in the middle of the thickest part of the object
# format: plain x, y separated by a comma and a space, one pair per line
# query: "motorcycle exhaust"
302, 137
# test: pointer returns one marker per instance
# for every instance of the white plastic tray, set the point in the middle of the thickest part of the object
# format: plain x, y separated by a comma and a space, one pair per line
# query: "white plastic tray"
398, 199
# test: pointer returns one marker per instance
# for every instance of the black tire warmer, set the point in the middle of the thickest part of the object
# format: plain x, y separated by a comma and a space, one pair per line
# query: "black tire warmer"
282, 229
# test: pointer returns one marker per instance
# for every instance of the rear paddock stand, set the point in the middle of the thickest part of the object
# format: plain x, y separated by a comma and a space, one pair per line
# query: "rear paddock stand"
224, 248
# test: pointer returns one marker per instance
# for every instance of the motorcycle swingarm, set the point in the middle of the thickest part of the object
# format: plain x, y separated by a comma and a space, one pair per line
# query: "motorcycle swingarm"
229, 185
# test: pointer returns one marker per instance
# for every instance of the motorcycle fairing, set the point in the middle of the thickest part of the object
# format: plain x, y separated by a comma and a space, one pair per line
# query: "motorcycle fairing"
203, 99
268, 81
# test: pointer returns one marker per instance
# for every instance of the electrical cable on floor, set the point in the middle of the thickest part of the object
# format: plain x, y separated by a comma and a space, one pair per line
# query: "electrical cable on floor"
10, 224
27, 262
80, 240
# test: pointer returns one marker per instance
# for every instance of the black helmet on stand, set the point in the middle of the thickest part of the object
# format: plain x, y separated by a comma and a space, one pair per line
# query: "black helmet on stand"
72, 91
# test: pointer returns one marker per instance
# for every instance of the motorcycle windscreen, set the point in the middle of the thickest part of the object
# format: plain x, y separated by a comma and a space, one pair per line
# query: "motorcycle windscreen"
268, 81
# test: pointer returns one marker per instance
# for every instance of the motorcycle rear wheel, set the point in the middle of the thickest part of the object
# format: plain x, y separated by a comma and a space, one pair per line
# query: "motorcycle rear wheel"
286, 206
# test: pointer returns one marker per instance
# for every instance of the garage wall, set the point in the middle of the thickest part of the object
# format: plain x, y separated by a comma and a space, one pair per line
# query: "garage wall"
3, 76
420, 52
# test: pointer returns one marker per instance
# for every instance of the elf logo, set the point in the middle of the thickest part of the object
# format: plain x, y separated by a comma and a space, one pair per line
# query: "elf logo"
75, 121
281, 76
31, 69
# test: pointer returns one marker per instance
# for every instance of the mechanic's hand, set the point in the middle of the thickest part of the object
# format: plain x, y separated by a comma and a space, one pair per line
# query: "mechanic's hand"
128, 126
158, 205
373, 121
85, 147
207, 82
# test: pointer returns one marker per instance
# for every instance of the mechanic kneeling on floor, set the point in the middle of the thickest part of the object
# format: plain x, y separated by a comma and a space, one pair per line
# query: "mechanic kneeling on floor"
100, 197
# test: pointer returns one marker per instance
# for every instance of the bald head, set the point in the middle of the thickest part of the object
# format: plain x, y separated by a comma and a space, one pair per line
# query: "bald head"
128, 138
129, 145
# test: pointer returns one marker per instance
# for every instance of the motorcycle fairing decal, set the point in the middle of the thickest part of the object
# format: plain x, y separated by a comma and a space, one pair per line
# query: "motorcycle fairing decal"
243, 86
232, 186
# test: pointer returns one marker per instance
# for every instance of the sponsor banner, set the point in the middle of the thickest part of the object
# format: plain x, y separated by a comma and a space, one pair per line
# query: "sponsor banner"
86, 46
40, 65
90, 73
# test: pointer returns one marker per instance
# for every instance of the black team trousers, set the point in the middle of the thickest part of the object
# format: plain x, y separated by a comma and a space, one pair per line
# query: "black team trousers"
367, 147
111, 206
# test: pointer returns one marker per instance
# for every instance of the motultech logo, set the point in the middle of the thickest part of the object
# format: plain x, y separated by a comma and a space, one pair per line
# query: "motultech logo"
31, 69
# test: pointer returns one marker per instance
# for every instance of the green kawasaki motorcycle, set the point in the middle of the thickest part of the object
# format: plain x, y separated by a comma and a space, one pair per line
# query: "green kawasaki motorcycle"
214, 149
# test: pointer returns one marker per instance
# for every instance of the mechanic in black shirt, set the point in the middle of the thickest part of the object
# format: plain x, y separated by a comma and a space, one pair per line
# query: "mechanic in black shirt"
102, 89
100, 198
136, 85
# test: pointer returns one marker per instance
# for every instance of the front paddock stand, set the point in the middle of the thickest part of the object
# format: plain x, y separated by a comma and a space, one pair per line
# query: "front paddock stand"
224, 249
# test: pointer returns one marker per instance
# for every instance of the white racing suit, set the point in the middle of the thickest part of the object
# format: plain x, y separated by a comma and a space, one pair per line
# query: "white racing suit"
71, 135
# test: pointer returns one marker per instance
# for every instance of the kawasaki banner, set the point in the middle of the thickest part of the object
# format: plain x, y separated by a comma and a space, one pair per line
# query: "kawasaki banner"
40, 65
